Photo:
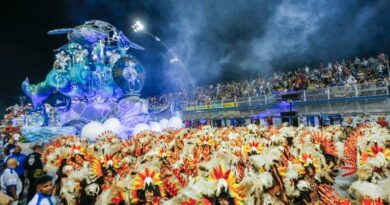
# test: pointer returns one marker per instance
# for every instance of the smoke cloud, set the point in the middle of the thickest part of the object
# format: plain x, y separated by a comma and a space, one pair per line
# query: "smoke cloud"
227, 40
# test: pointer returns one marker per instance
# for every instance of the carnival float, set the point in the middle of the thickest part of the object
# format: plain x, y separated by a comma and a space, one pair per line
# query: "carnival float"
94, 79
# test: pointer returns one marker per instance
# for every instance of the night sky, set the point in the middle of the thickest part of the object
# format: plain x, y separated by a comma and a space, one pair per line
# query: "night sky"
216, 40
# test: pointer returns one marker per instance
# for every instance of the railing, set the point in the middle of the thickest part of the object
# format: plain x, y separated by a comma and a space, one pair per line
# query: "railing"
328, 93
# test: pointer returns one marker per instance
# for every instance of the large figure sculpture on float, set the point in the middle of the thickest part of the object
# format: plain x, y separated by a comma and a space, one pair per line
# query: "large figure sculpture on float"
96, 74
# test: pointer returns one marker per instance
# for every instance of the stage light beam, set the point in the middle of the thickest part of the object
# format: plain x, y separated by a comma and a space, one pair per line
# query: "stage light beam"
138, 27
174, 60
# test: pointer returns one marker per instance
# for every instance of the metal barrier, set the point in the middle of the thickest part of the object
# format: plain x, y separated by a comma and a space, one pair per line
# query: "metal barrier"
328, 93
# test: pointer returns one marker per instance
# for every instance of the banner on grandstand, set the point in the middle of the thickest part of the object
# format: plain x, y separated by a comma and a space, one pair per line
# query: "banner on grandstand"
212, 106
202, 107
215, 106
199, 107
229, 104
189, 108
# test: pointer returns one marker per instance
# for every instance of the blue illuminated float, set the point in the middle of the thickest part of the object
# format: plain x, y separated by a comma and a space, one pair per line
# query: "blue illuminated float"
94, 77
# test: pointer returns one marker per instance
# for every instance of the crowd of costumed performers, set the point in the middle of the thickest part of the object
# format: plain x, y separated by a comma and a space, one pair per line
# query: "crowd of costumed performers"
332, 165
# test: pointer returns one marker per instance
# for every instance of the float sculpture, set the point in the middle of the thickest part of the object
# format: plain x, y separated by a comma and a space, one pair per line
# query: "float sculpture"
94, 77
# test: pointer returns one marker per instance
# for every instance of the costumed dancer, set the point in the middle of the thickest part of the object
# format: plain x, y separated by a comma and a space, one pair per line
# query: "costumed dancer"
147, 188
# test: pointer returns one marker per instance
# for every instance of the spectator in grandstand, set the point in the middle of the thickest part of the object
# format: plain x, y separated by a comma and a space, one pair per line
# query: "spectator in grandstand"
351, 80
333, 74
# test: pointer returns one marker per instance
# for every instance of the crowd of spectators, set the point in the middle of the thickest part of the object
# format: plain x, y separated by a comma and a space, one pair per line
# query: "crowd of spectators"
344, 73
20, 172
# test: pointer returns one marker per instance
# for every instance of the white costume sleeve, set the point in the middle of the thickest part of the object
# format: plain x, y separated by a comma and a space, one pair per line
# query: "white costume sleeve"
34, 200
2, 184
